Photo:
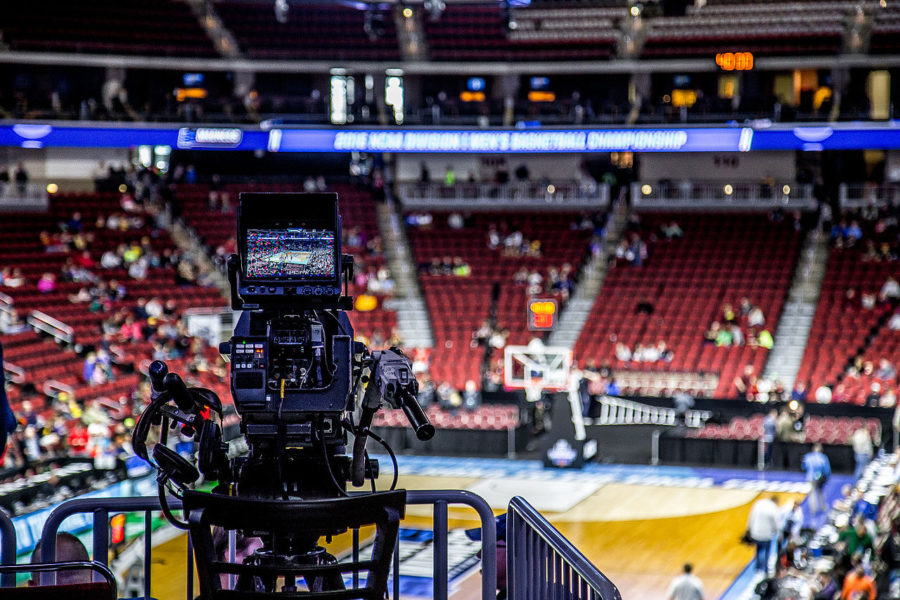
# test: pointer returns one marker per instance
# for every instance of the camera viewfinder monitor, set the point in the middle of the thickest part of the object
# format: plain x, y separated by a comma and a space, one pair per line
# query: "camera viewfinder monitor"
289, 241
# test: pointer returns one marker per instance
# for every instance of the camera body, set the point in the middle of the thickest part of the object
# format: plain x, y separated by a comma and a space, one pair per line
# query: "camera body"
295, 371
292, 353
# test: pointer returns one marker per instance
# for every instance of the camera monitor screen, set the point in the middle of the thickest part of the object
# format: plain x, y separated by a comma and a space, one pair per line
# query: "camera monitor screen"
287, 237
294, 253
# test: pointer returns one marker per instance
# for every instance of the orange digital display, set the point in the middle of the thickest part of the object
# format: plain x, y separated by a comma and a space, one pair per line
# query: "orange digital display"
541, 314
735, 61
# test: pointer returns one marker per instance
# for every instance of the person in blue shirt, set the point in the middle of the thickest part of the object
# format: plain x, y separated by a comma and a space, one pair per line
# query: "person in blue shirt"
818, 470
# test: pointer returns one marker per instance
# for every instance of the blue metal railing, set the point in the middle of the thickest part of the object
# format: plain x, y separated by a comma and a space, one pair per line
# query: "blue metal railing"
101, 508
543, 565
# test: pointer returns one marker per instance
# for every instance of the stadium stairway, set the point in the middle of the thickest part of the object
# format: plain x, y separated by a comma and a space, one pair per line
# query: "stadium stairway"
412, 314
796, 321
574, 316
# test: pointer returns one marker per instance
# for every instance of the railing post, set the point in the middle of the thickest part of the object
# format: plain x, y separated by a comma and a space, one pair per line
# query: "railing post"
440, 550
654, 447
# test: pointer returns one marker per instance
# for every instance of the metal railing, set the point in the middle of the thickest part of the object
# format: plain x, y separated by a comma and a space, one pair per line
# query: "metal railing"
52, 388
860, 195
721, 196
543, 564
14, 373
6, 302
101, 508
23, 196
56, 328
566, 195
614, 411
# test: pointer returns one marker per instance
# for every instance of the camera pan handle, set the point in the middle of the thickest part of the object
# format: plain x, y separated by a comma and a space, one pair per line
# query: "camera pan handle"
417, 418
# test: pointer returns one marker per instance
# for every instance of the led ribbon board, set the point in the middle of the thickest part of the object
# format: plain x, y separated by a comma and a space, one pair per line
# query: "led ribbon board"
855, 136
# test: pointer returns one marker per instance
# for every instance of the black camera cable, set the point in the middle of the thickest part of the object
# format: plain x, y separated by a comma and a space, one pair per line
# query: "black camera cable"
320, 430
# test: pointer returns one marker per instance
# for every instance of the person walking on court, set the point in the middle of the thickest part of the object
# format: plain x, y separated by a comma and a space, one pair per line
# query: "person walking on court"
762, 528
818, 470
686, 586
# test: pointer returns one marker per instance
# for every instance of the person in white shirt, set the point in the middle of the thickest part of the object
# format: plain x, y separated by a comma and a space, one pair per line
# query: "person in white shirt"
862, 450
686, 586
762, 527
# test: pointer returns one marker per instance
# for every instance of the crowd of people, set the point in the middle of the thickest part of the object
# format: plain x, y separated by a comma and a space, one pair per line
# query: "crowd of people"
744, 325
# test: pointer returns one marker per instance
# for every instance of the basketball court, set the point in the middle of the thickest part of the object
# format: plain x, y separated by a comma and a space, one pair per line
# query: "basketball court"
289, 258
638, 524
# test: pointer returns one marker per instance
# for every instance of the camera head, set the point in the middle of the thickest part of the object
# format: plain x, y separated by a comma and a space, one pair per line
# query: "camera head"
289, 253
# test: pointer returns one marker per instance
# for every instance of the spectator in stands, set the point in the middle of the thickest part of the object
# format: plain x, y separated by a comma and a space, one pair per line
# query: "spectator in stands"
47, 283
471, 398
868, 301
737, 335
755, 317
762, 528
862, 450
11, 322
21, 177
68, 549
745, 382
855, 540
873, 399
765, 339
890, 291
770, 429
799, 393
686, 586
818, 470
724, 337
623, 353
885, 369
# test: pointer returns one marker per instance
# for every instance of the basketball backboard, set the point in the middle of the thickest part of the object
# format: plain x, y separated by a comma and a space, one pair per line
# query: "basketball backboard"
549, 366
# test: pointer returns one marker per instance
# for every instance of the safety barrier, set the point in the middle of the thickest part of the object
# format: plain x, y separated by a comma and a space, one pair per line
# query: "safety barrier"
614, 411
542, 564
102, 508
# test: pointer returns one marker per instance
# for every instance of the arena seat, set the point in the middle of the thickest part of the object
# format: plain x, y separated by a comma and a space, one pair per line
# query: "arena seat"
721, 259
107, 27
478, 32
807, 27
842, 328
310, 32
459, 305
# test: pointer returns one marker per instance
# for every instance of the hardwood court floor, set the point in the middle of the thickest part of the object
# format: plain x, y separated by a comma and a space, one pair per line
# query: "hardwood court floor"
638, 535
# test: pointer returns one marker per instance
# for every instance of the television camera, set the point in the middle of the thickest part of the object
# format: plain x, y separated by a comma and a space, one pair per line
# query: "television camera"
295, 377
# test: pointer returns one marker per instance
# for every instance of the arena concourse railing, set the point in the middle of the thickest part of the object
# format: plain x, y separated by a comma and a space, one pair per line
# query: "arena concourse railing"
721, 196
860, 195
568, 195
23, 196
542, 564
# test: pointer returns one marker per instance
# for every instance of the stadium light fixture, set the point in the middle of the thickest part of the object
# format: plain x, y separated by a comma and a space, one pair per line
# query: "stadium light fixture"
728, 189
408, 12
52, 188
646, 189
786, 190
